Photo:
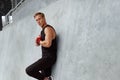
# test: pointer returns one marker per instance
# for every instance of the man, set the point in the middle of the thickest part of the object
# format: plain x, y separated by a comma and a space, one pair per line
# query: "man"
41, 69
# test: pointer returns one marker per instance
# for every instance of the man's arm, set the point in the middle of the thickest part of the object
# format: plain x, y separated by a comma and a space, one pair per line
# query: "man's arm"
48, 37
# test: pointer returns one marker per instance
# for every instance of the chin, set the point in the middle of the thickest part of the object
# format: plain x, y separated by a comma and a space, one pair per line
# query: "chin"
42, 25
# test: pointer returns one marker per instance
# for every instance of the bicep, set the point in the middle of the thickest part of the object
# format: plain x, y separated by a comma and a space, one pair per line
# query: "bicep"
48, 35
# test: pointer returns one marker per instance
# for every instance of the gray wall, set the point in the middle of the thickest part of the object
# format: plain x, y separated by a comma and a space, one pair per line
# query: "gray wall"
89, 42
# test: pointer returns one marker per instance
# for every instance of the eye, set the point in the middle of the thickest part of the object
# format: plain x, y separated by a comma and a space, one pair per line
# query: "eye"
37, 19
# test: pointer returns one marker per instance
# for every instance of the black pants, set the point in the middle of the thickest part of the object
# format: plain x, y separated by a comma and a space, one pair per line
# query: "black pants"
41, 68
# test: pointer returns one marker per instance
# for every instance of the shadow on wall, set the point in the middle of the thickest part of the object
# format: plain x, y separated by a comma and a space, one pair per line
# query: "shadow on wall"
57, 39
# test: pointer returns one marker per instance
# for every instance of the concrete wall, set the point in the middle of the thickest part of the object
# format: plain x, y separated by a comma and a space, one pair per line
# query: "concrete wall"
89, 42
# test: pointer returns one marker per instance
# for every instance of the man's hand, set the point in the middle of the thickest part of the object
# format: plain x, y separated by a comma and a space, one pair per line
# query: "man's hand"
38, 39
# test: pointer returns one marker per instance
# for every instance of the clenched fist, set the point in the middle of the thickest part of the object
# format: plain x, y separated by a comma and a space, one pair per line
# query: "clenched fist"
38, 39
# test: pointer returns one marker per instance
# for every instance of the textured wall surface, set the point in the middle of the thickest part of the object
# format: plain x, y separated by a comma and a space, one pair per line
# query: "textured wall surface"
89, 39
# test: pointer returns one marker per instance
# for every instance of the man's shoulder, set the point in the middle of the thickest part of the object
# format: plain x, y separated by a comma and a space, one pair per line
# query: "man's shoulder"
49, 27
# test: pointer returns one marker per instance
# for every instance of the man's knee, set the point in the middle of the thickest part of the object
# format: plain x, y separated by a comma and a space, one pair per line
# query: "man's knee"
29, 71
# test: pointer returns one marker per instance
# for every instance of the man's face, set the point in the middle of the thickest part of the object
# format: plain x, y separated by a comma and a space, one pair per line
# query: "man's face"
40, 20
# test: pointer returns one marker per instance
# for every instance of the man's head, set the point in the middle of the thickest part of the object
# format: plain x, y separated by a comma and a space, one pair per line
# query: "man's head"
40, 19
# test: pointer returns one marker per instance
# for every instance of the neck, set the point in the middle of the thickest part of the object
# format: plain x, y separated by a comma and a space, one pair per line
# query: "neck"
44, 25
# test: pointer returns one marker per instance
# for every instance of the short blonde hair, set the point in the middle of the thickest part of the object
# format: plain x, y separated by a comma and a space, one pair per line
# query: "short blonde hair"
39, 13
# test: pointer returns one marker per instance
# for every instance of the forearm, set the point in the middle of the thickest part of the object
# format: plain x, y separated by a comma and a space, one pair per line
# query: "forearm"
45, 44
